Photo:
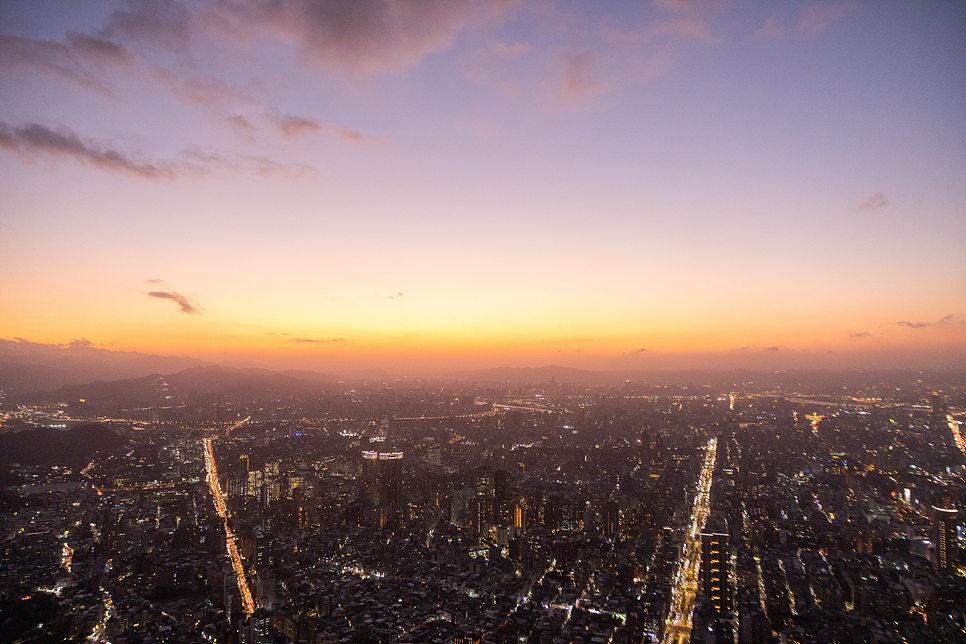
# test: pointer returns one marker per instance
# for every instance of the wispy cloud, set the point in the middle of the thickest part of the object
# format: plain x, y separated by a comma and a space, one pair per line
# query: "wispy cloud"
393, 297
512, 49
580, 77
103, 52
48, 57
921, 325
154, 281
771, 348
771, 30
875, 202
186, 304
317, 340
33, 138
166, 25
293, 127
818, 16
861, 334
639, 351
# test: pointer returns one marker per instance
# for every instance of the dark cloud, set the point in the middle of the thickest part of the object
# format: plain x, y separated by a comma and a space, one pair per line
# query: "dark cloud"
861, 334
162, 24
154, 281
34, 138
876, 201
101, 51
48, 57
771, 348
315, 340
80, 343
639, 351
186, 303
365, 35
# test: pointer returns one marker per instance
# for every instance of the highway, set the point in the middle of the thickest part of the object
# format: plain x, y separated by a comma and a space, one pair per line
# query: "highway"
954, 429
677, 628
236, 563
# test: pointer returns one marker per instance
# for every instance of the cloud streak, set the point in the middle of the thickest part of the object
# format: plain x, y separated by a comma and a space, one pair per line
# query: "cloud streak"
51, 58
314, 340
294, 127
185, 303
33, 138
875, 202
922, 325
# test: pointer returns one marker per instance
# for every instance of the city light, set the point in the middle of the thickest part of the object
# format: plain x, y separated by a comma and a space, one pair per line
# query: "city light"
236, 563
678, 626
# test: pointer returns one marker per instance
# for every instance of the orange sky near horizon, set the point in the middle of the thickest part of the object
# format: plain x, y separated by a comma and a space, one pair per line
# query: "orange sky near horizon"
611, 185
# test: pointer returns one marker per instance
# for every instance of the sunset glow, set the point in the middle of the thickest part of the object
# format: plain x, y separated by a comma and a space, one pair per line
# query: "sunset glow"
454, 185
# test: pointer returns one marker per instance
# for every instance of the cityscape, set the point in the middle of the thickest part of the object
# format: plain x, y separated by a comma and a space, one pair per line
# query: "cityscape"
456, 512
482, 322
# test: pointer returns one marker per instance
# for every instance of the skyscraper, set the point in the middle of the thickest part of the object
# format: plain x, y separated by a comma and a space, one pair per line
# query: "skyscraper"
390, 477
714, 571
944, 525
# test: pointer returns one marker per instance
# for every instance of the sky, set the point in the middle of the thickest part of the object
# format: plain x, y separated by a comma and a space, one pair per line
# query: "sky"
427, 186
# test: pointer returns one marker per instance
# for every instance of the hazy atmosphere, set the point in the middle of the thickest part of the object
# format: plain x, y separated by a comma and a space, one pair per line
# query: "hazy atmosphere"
423, 187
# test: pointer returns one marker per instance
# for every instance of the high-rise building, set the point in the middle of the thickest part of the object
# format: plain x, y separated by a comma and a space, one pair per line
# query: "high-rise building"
370, 478
390, 477
714, 571
610, 518
645, 449
944, 526
501, 485
484, 482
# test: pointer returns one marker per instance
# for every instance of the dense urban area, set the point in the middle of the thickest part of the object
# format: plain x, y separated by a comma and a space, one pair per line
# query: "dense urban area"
451, 512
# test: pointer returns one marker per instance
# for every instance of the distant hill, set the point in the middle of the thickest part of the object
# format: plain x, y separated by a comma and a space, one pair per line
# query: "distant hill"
32, 366
157, 389
44, 445
534, 375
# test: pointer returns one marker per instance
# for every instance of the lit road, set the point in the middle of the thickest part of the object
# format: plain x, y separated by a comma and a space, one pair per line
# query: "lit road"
678, 625
237, 425
247, 601
957, 437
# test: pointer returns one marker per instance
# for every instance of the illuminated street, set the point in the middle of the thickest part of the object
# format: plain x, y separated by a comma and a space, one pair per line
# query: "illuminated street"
678, 625
247, 601
957, 436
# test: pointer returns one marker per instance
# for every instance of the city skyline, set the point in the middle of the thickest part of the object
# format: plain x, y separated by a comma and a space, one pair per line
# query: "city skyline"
428, 187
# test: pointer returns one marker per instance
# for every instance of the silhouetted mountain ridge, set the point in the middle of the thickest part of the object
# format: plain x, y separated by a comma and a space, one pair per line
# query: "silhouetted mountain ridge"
157, 389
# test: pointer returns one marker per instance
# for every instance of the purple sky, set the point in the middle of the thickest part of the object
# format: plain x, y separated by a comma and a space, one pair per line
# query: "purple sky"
429, 185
